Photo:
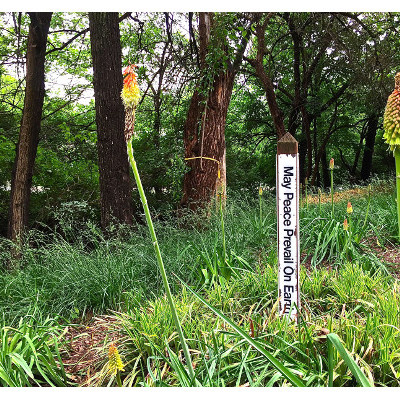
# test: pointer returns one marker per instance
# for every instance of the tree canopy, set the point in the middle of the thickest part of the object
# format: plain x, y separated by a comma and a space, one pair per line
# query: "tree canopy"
324, 77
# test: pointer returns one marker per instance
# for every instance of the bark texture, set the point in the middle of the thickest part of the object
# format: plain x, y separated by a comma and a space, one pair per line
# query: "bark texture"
202, 182
204, 130
115, 187
276, 112
21, 179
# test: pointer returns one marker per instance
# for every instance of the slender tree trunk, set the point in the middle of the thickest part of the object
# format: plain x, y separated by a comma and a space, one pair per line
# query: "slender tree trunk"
115, 188
276, 112
369, 147
325, 171
21, 179
302, 158
306, 126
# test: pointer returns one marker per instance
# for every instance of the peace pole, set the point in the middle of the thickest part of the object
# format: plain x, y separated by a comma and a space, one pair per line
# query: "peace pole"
287, 193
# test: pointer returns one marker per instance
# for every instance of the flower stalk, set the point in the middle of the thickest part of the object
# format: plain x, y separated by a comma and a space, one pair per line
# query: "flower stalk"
306, 191
369, 202
331, 166
397, 160
130, 107
115, 365
319, 200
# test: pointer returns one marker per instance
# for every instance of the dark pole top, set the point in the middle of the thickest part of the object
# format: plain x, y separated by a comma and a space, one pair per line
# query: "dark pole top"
288, 145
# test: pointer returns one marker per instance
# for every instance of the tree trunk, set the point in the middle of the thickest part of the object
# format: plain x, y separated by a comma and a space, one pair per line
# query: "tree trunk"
302, 158
369, 147
306, 126
115, 188
202, 181
325, 171
276, 112
204, 131
21, 179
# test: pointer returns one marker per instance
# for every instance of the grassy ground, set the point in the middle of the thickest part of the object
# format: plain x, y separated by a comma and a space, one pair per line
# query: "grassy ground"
346, 287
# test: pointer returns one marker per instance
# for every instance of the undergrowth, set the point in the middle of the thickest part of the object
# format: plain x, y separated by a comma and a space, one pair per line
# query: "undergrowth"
345, 288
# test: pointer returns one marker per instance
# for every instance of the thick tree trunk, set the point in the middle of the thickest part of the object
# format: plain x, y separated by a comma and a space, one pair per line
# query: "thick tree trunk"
115, 188
369, 147
204, 130
202, 182
21, 179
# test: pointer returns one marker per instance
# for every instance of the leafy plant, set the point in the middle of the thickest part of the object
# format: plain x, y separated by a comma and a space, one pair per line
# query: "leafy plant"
29, 354
334, 341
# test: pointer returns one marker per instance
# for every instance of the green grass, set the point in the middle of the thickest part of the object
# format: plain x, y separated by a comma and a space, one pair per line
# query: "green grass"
364, 321
29, 354
355, 298
60, 277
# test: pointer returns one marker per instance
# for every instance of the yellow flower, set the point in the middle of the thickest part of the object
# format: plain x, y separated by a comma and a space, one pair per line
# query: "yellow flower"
349, 208
345, 225
260, 190
130, 93
130, 96
114, 360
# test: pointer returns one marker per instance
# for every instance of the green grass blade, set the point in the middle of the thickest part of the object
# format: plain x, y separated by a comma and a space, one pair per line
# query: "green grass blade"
19, 361
330, 363
278, 365
354, 368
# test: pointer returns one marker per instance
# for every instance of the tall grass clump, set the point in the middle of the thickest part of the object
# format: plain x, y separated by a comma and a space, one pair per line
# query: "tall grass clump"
346, 335
347, 235
29, 354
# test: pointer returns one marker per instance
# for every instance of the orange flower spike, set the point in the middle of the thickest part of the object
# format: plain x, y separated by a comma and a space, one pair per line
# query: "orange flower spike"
130, 69
130, 92
349, 208
114, 360
331, 164
345, 225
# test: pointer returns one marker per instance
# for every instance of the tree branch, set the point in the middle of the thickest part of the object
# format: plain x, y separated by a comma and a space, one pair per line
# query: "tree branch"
80, 33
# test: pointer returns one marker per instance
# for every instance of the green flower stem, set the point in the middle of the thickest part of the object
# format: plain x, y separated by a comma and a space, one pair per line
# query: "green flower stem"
222, 225
332, 191
301, 195
306, 192
330, 363
369, 202
319, 200
397, 159
118, 379
160, 261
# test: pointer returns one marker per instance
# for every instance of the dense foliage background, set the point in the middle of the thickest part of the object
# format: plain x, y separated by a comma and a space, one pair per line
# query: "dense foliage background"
346, 62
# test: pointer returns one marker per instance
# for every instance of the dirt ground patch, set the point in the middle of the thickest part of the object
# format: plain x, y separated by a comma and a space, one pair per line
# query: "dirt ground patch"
86, 348
389, 254
347, 194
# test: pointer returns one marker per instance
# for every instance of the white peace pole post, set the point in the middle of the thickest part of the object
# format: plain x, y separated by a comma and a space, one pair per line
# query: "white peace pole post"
287, 194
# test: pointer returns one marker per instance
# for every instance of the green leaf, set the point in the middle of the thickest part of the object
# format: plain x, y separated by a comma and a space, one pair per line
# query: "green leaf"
354, 368
18, 360
296, 381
